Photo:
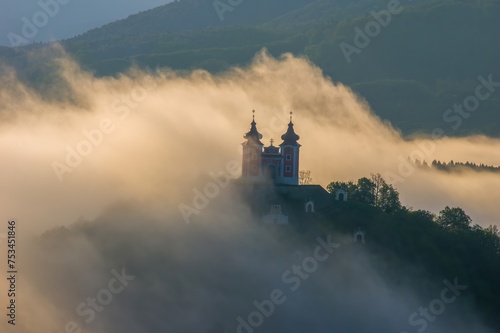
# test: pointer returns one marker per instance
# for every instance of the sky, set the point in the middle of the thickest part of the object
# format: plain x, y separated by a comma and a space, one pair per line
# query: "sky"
100, 166
66, 20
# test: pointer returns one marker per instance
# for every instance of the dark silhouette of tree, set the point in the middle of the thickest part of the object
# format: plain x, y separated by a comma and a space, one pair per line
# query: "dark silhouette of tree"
372, 191
389, 199
350, 187
493, 229
305, 177
385, 196
424, 215
453, 166
378, 184
454, 218
445, 245
365, 191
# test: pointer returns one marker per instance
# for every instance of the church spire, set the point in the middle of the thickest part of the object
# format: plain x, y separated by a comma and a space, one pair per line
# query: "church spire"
253, 135
290, 138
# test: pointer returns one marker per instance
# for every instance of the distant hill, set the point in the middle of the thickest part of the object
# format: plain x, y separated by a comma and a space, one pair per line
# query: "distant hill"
427, 59
423, 62
66, 19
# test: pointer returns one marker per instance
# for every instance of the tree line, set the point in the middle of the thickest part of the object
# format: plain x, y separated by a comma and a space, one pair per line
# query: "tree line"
445, 244
453, 166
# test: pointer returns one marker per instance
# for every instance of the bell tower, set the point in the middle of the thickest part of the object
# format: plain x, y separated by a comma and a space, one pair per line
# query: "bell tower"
252, 152
290, 151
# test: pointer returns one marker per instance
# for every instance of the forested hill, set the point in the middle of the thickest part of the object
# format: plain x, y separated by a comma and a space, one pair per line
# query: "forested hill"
410, 249
445, 244
425, 59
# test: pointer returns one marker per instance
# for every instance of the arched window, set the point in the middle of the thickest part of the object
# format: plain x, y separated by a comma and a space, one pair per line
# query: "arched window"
310, 206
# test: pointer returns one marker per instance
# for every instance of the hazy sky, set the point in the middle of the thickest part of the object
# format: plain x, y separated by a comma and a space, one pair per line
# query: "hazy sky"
73, 18
152, 139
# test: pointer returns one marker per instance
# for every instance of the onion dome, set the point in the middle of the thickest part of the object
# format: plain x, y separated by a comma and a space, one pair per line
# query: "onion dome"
253, 135
290, 137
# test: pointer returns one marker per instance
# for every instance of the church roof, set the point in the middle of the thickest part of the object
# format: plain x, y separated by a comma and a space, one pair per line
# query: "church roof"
291, 198
253, 135
272, 150
290, 138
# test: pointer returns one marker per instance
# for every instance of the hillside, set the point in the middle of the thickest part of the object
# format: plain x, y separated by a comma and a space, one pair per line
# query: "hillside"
188, 15
408, 251
67, 19
426, 60
423, 62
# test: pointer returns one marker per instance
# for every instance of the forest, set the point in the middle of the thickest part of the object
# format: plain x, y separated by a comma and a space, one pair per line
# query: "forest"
446, 244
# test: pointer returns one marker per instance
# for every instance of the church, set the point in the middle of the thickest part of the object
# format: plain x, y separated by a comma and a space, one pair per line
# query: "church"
278, 164
270, 181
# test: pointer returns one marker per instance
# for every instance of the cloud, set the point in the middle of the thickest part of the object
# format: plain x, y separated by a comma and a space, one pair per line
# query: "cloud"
123, 152
166, 129
185, 278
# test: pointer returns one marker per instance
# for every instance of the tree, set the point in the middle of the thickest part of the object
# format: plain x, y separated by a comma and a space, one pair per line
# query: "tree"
373, 191
305, 177
388, 199
365, 191
454, 218
332, 188
378, 184
385, 196
424, 215
493, 229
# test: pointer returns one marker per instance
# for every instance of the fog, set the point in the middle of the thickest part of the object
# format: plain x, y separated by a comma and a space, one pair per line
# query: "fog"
166, 129
113, 158
204, 277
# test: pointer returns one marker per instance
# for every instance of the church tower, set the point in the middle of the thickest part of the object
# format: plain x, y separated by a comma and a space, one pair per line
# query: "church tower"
252, 153
277, 164
290, 152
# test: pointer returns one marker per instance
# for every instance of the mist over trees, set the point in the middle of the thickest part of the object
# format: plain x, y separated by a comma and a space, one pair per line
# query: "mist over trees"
445, 244
412, 86
215, 270
453, 166
202, 276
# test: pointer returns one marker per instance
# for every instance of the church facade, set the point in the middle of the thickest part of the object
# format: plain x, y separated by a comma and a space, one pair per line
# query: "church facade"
280, 164
270, 181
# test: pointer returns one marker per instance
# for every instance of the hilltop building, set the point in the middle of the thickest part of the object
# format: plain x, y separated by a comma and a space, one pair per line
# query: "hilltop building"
278, 164
270, 181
